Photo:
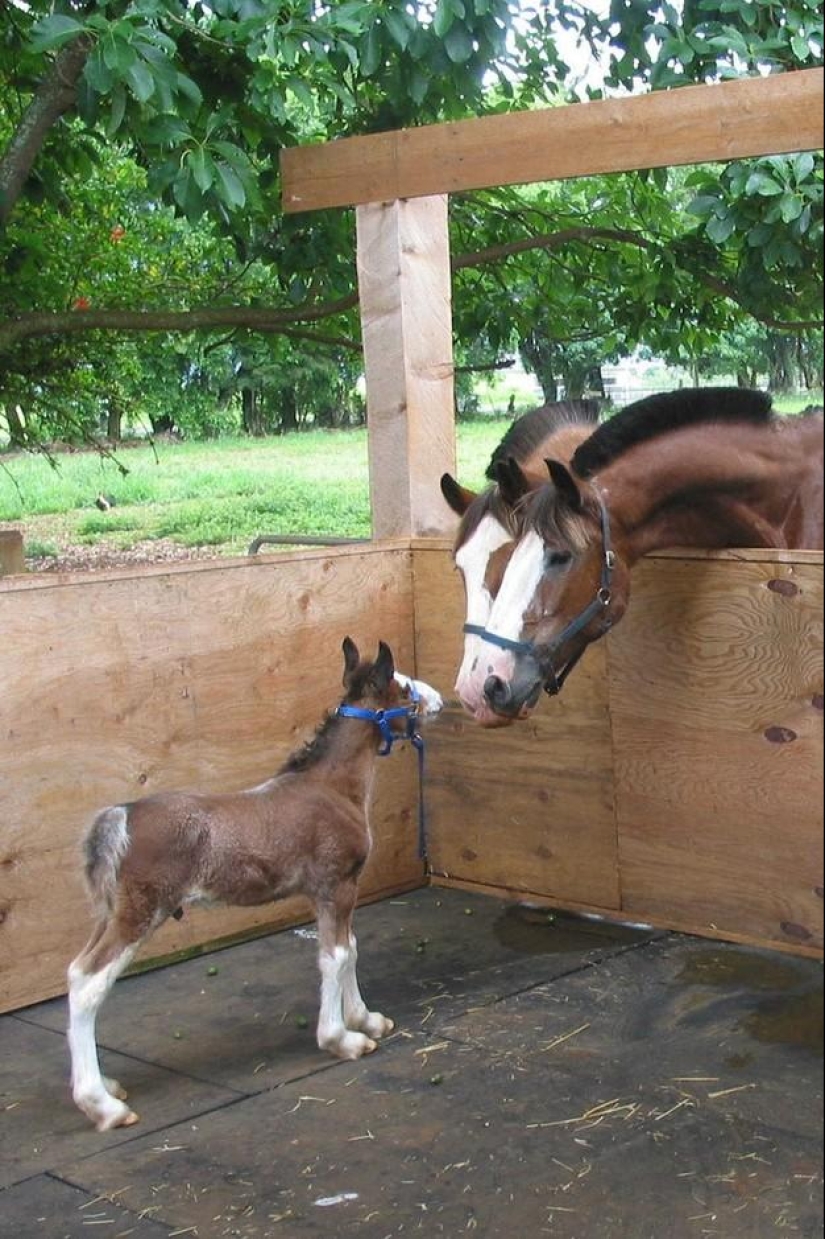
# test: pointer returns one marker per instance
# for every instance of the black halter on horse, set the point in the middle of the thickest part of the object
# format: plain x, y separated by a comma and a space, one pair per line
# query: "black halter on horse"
553, 679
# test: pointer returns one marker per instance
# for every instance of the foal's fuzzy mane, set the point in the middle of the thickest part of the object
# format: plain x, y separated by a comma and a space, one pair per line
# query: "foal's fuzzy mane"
312, 751
317, 747
528, 432
657, 415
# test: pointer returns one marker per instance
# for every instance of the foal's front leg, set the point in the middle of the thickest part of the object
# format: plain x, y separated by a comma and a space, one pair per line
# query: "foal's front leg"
345, 1027
356, 1014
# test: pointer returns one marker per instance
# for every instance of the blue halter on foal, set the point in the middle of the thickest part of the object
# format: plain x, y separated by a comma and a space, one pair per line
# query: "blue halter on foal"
553, 680
383, 720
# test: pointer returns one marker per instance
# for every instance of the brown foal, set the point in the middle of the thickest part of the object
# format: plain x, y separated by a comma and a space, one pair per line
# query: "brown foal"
304, 831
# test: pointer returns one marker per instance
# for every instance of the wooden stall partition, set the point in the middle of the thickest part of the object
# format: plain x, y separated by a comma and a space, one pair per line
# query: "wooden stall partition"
526, 810
716, 707
203, 676
678, 779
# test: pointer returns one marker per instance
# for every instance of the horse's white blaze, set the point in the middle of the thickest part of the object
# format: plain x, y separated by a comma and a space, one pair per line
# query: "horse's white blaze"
506, 617
472, 560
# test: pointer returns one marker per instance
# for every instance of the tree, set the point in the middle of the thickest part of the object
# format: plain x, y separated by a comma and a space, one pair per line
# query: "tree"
196, 100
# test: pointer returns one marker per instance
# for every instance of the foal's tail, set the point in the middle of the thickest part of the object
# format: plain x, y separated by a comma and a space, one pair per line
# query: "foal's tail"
105, 844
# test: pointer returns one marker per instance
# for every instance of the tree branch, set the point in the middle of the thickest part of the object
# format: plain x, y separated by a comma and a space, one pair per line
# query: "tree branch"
56, 94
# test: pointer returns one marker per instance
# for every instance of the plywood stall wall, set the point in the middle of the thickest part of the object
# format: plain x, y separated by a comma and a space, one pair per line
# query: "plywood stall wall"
677, 780
204, 676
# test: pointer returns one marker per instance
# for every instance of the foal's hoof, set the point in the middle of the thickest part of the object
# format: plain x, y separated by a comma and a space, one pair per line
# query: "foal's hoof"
376, 1025
351, 1045
123, 1117
114, 1088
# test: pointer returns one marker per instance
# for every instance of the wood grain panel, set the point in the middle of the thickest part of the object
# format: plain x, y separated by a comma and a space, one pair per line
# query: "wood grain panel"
716, 705
117, 686
694, 124
529, 807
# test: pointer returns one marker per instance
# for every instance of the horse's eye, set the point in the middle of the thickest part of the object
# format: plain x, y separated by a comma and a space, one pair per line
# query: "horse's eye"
557, 559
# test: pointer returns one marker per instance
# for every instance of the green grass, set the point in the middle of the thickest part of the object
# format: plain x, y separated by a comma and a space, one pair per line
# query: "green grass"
221, 494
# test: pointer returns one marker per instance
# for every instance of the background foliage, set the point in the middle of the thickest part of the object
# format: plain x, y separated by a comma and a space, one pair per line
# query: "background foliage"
142, 230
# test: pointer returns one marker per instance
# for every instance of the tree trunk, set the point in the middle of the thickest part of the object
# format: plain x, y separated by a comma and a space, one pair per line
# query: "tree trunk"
114, 421
16, 428
251, 415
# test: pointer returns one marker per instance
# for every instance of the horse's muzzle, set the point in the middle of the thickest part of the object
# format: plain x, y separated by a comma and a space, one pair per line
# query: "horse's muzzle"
515, 698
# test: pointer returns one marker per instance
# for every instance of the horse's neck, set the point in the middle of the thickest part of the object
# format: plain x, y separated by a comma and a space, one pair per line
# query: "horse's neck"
708, 486
560, 445
348, 762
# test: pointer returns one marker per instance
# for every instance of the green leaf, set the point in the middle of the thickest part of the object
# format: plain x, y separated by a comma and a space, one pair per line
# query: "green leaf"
203, 169
117, 111
54, 31
97, 73
371, 51
764, 185
790, 206
229, 186
458, 45
444, 18
141, 80
719, 229
398, 28
800, 48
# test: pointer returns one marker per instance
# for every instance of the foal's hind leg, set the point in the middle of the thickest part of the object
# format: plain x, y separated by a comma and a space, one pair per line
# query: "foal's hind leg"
91, 975
339, 989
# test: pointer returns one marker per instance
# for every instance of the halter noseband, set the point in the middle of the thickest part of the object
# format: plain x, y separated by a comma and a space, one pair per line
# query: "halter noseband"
384, 718
553, 682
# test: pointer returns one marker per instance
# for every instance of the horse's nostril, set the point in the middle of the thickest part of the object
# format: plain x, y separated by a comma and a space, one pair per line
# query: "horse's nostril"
497, 692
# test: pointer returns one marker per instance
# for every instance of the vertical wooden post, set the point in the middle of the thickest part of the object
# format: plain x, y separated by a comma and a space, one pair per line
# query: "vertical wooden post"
406, 321
11, 552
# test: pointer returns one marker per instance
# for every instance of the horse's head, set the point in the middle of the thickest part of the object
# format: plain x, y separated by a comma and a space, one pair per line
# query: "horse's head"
565, 585
483, 546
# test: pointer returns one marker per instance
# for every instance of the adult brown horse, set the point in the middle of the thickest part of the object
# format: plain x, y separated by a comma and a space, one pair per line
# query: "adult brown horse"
489, 524
708, 467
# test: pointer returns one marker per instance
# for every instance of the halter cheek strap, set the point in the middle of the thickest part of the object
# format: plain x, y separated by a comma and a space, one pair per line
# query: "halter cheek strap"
554, 680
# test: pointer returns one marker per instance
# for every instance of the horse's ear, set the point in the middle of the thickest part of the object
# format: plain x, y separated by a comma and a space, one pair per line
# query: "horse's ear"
351, 659
458, 497
565, 484
511, 482
384, 666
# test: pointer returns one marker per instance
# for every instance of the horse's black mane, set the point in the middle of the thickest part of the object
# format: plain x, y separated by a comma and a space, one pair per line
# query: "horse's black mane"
527, 432
660, 414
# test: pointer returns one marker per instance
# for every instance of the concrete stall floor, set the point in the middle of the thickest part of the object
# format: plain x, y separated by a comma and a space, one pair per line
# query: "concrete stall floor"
548, 1075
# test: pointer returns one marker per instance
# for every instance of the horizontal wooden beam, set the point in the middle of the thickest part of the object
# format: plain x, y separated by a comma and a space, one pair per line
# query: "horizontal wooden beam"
694, 124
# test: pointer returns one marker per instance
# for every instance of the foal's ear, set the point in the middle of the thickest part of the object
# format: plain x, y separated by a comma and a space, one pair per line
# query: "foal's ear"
351, 659
458, 497
512, 483
384, 666
565, 484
